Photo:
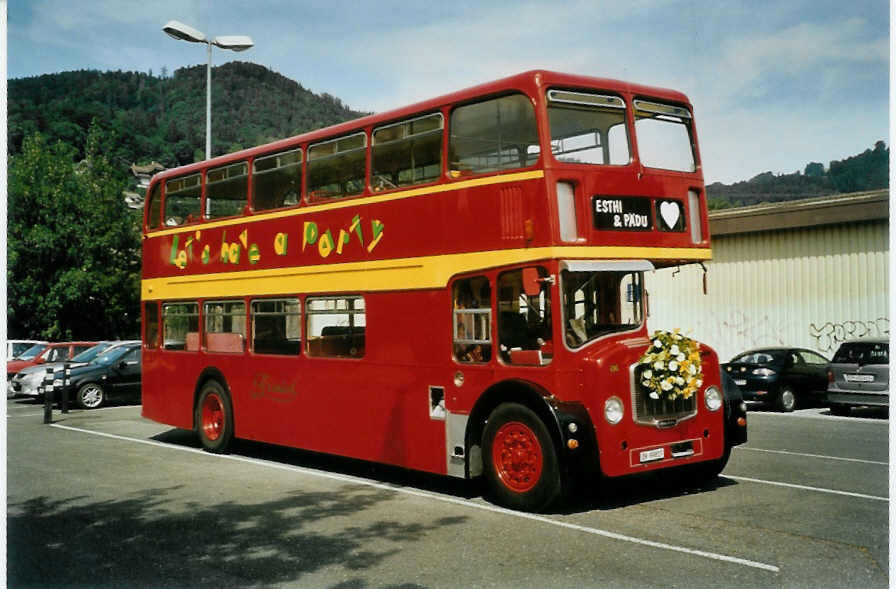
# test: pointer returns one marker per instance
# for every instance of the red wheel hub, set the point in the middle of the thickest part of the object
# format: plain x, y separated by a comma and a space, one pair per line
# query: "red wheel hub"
517, 456
212, 417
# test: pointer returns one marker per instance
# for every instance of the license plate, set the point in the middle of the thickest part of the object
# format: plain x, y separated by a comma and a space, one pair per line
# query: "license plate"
740, 382
651, 455
858, 377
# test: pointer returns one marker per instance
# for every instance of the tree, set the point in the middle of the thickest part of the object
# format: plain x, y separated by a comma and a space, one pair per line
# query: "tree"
73, 261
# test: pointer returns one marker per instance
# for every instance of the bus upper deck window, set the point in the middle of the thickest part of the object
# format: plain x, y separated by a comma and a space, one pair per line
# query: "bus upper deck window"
277, 180
154, 206
226, 190
664, 136
407, 153
588, 128
497, 134
336, 168
182, 200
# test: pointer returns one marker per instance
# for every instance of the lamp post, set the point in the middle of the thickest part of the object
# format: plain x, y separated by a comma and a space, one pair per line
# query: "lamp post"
182, 32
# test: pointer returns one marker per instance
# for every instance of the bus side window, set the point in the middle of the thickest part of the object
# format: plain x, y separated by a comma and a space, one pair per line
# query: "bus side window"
524, 320
179, 321
497, 134
277, 326
407, 153
226, 191
336, 168
225, 326
154, 217
472, 320
151, 324
277, 180
182, 200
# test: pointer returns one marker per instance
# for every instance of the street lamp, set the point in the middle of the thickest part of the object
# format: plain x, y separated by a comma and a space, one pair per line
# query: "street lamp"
181, 32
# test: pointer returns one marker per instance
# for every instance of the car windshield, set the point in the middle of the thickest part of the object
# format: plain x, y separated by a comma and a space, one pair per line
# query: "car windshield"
597, 303
863, 353
111, 355
762, 357
32, 352
89, 354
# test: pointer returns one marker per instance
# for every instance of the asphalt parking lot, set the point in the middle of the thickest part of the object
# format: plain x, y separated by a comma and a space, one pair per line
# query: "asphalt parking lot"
106, 498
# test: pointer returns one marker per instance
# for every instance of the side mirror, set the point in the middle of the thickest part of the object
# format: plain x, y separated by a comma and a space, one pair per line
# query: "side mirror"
531, 282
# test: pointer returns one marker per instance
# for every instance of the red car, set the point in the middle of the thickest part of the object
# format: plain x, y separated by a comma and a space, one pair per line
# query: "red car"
40, 353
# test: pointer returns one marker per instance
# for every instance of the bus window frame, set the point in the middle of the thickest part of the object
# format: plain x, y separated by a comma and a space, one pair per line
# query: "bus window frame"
251, 323
461, 175
199, 326
365, 180
443, 146
205, 185
302, 149
609, 96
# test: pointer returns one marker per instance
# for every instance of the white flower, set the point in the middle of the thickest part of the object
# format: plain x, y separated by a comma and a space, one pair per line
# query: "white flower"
654, 395
674, 350
680, 357
699, 382
692, 369
665, 385
657, 344
679, 381
658, 365
673, 365
645, 383
648, 374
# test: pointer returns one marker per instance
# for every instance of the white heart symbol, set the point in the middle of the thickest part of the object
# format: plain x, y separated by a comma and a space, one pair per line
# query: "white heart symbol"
670, 212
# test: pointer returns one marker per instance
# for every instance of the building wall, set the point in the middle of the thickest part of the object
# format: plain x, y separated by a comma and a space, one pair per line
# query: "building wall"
810, 287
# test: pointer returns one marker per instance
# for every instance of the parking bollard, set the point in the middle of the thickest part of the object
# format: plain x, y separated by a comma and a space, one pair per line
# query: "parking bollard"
48, 396
66, 372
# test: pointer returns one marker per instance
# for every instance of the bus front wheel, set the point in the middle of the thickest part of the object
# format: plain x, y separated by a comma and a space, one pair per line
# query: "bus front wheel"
214, 417
519, 459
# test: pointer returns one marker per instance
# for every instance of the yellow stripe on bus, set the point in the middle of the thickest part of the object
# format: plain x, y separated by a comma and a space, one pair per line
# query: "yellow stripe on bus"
354, 202
386, 275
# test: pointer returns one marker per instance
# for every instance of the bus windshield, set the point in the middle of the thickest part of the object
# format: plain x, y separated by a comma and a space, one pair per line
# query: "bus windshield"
664, 136
587, 128
600, 302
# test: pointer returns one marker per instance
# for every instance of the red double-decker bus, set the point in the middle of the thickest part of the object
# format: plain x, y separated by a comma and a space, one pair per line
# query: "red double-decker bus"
456, 287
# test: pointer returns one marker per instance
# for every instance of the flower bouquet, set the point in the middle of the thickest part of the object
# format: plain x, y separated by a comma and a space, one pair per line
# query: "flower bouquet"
671, 366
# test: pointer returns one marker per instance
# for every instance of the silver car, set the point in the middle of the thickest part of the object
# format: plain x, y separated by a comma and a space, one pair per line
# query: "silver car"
859, 374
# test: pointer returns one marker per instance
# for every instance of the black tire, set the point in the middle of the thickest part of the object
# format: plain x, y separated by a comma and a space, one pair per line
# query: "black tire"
90, 396
786, 400
520, 460
213, 417
841, 410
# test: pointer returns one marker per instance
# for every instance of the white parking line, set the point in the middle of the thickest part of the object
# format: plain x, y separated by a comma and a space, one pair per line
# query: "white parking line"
812, 455
806, 488
462, 502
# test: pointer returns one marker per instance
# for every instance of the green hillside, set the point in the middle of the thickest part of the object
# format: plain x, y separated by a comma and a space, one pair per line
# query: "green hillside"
162, 118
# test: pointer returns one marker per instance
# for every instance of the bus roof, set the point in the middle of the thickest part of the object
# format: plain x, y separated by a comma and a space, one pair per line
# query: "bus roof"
533, 81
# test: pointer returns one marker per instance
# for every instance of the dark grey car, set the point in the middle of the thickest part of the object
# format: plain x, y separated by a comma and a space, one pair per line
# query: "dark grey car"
859, 374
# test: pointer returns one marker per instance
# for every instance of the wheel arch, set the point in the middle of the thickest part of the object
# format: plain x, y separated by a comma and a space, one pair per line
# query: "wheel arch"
554, 414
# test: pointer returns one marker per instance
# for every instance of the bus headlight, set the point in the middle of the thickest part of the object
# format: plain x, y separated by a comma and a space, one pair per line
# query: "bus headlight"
713, 398
613, 410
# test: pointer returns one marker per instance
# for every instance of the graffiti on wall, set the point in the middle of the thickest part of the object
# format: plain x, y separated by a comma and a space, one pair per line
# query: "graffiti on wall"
830, 334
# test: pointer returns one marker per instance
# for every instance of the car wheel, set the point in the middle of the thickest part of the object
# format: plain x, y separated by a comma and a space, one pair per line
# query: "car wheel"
214, 417
520, 461
90, 396
786, 400
841, 410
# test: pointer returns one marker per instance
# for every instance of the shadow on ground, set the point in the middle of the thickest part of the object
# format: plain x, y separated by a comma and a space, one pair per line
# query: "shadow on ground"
141, 540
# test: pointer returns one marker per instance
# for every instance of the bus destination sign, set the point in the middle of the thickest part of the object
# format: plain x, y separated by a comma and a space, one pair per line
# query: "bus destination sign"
622, 213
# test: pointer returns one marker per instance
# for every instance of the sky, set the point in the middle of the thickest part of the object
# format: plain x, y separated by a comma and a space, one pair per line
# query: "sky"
774, 84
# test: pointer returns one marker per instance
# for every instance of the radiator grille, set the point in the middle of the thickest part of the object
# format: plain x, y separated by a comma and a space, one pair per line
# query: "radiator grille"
658, 412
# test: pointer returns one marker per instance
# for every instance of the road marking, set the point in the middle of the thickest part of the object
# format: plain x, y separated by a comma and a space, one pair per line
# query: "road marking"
445, 499
813, 455
806, 488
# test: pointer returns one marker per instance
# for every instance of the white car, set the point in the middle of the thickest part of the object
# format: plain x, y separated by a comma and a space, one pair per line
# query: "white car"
14, 347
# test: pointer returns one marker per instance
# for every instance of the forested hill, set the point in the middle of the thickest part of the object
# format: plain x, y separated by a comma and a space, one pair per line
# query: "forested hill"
866, 171
162, 118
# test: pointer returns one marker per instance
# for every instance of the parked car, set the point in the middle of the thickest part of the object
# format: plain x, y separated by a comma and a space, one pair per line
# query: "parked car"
27, 381
14, 347
114, 373
782, 377
859, 374
41, 353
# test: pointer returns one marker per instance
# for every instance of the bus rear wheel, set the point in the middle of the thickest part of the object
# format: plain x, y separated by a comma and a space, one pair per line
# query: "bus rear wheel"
520, 460
214, 417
